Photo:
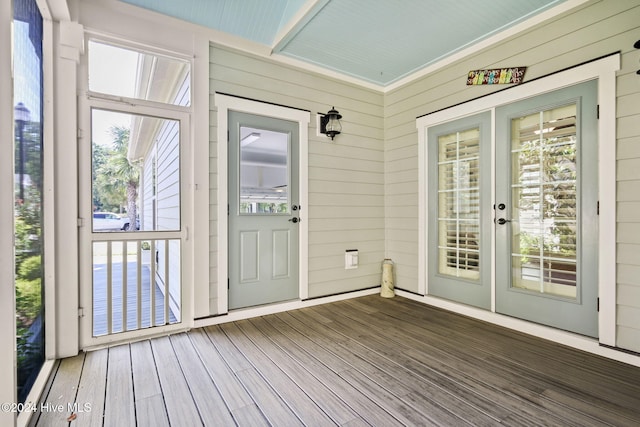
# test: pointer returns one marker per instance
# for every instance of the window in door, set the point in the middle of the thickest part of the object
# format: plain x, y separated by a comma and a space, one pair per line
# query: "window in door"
458, 204
544, 192
460, 210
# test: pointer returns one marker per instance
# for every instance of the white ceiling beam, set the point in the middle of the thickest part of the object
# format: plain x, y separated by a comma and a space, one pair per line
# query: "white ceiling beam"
304, 15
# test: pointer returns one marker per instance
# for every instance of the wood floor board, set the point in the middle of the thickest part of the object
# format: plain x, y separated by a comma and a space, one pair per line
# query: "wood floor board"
404, 412
150, 406
91, 392
268, 401
312, 356
421, 377
294, 397
334, 407
479, 406
468, 365
249, 415
181, 407
63, 391
367, 361
119, 401
231, 390
211, 405
312, 341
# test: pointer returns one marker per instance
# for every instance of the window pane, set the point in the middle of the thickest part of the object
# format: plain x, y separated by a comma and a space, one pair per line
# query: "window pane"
136, 172
28, 142
544, 197
458, 204
119, 71
264, 171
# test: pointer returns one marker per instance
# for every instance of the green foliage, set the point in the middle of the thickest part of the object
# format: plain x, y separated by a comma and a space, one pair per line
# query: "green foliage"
28, 228
31, 268
115, 178
28, 300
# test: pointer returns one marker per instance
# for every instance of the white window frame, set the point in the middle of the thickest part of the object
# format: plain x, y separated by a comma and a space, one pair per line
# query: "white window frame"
604, 70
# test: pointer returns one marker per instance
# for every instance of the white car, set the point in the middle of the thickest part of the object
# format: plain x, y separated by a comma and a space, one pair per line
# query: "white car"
107, 221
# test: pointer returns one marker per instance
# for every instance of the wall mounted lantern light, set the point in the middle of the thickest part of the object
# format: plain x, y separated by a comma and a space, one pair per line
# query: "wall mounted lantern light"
330, 123
637, 46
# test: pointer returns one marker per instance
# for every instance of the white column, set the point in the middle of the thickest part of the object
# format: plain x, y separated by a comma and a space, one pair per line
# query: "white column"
67, 49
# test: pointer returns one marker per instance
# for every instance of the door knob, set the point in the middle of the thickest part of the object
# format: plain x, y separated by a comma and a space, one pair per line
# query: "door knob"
503, 221
294, 219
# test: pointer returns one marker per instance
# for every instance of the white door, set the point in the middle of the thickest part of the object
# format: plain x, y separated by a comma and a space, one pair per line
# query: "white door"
263, 210
132, 277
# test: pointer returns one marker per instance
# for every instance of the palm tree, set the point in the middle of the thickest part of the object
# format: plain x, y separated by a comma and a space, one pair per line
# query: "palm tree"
118, 175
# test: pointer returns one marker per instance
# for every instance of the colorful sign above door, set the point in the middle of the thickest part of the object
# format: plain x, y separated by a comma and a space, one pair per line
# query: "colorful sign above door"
496, 76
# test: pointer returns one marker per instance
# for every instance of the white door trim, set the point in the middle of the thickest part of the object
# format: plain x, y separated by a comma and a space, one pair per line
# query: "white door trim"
605, 71
224, 103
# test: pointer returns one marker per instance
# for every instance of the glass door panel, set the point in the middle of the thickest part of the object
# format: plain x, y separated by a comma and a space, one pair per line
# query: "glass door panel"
544, 197
460, 210
264, 171
458, 204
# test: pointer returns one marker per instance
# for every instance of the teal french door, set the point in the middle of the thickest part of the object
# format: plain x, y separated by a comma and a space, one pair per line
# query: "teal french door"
459, 209
542, 214
547, 203
263, 210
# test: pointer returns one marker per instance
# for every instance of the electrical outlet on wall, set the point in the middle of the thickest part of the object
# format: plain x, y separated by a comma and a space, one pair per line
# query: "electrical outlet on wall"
350, 259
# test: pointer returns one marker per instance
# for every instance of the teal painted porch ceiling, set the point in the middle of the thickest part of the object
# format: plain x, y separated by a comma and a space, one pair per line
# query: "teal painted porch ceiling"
379, 42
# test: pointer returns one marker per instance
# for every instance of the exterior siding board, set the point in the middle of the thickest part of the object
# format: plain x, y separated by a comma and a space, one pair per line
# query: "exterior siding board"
588, 32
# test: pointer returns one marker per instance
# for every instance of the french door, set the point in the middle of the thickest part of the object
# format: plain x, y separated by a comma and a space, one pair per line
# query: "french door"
547, 205
543, 213
459, 182
263, 210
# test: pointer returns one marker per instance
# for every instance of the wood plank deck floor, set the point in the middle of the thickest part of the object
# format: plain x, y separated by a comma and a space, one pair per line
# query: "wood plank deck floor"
365, 361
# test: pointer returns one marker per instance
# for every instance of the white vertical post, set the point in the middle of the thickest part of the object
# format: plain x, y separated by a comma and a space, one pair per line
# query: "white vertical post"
139, 285
109, 288
166, 282
152, 286
124, 285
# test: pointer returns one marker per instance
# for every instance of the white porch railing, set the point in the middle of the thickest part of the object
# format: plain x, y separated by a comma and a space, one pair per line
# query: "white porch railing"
136, 284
